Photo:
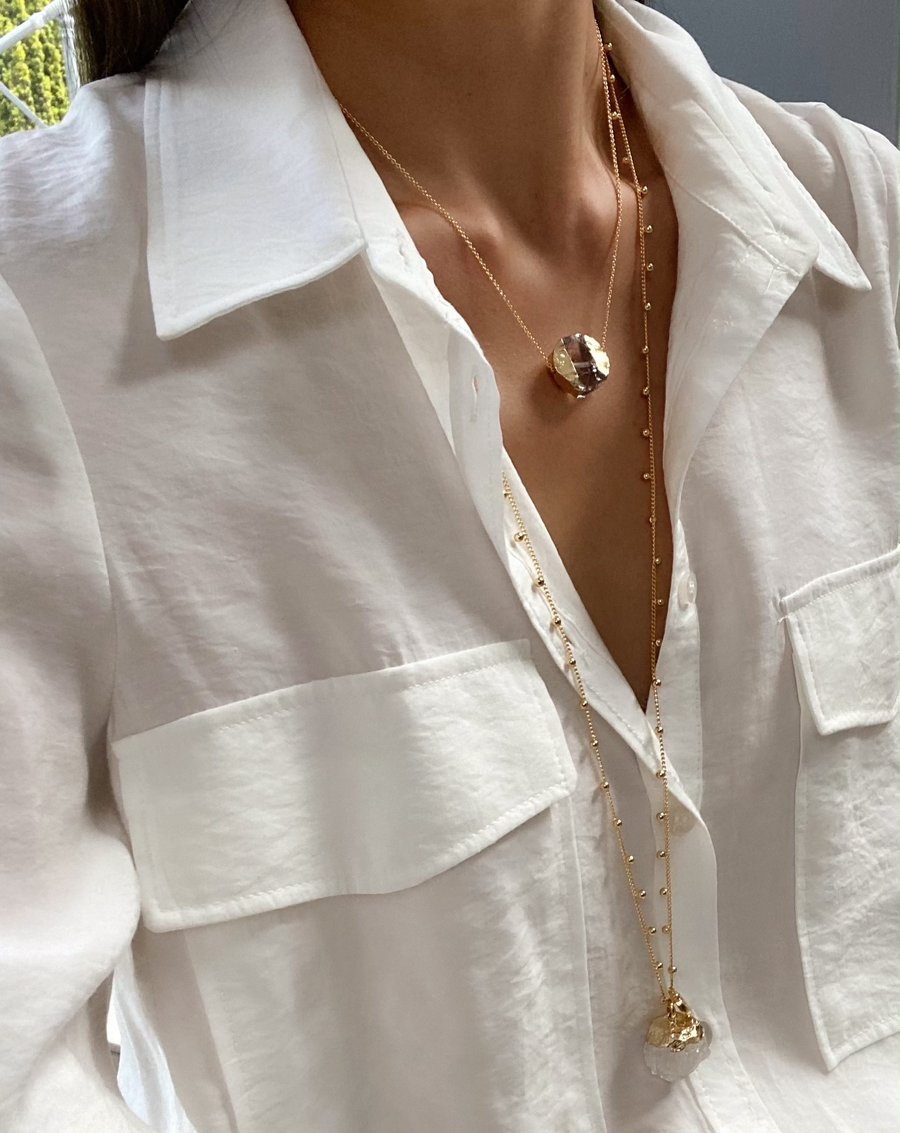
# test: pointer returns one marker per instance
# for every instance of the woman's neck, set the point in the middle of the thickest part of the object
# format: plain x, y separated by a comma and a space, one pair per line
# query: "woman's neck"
495, 106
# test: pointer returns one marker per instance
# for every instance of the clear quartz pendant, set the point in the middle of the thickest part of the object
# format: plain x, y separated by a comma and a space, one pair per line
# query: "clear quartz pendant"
580, 364
677, 1042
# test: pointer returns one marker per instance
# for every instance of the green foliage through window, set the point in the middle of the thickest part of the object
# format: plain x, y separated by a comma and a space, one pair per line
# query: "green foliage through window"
34, 70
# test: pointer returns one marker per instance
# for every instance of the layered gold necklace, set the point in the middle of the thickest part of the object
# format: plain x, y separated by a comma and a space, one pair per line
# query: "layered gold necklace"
676, 1040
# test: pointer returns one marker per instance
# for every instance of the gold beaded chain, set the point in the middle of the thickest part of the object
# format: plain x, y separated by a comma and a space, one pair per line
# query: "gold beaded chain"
668, 994
604, 788
678, 1029
614, 114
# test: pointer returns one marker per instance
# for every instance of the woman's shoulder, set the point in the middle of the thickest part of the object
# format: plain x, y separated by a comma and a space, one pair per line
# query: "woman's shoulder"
809, 133
850, 170
73, 211
71, 182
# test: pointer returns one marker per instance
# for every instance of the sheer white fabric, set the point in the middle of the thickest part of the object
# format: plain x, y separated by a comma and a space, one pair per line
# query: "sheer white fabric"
289, 745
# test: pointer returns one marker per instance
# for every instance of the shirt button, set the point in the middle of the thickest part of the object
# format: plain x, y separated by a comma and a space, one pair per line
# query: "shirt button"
680, 818
687, 590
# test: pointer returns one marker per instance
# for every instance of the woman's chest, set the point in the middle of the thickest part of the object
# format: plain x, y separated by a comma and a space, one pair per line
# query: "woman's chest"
607, 513
594, 473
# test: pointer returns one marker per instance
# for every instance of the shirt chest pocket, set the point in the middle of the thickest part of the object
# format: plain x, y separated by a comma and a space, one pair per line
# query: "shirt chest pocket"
376, 894
845, 643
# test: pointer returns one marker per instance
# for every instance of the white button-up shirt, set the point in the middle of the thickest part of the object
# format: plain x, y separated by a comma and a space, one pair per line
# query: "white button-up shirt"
291, 753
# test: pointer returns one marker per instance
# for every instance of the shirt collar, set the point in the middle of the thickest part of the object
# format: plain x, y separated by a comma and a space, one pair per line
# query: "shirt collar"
247, 195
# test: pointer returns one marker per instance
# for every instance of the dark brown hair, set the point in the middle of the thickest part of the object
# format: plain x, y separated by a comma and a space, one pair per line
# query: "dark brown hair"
113, 37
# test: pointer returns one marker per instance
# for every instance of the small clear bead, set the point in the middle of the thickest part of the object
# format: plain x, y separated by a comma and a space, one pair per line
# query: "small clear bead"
649, 229
661, 853
649, 267
664, 892
648, 307
645, 350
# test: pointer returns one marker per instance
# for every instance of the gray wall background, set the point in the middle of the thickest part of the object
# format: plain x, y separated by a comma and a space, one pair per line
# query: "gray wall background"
842, 52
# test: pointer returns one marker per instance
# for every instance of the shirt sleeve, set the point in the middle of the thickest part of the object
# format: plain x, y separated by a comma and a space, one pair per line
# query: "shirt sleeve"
68, 890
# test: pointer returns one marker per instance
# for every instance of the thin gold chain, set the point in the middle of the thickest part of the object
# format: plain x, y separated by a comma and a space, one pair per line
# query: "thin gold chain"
440, 208
614, 114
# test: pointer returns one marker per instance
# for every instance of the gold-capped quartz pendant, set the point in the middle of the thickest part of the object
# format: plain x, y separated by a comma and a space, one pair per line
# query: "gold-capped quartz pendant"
580, 364
677, 1042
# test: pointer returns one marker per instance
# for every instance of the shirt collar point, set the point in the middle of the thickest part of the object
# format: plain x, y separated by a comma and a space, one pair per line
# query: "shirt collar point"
837, 262
180, 306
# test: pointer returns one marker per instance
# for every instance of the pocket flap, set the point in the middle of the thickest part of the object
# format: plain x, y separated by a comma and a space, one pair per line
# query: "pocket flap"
845, 636
365, 783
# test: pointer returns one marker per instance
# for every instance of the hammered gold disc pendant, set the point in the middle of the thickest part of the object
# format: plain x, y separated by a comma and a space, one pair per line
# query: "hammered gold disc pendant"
677, 1042
580, 364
